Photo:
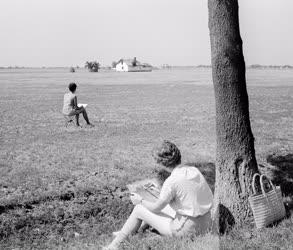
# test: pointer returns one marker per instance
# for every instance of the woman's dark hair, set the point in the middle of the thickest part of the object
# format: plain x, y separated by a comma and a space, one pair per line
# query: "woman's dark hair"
72, 87
167, 154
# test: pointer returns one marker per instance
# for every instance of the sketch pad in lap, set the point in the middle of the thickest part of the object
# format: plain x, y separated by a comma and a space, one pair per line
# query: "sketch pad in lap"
81, 105
149, 190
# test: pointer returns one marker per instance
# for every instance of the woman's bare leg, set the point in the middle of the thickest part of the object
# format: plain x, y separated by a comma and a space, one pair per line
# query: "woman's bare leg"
158, 221
76, 113
77, 119
142, 227
85, 116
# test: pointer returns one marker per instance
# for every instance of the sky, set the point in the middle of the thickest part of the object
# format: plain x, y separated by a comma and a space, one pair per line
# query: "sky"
71, 32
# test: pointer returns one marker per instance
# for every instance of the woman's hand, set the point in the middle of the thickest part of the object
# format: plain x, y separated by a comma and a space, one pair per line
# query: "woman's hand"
135, 198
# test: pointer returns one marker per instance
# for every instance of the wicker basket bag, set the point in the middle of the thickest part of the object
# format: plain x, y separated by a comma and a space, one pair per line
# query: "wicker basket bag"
267, 206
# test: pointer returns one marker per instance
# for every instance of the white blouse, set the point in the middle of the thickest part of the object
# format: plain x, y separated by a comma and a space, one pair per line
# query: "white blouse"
187, 191
68, 103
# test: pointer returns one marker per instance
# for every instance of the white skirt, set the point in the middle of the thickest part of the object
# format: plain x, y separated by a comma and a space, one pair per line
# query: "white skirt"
183, 224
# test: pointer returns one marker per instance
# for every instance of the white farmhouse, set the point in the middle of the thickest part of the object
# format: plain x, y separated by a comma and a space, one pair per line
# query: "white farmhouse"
132, 65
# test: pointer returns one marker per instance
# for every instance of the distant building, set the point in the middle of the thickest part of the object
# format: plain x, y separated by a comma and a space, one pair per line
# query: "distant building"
132, 65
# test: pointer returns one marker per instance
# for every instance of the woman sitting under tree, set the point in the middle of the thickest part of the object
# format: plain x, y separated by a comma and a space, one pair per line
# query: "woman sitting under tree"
70, 107
185, 190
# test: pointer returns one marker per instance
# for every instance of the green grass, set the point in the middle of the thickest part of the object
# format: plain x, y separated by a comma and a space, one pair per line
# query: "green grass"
66, 188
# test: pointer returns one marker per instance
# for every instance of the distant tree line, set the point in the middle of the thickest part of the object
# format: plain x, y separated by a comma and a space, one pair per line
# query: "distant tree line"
93, 66
258, 66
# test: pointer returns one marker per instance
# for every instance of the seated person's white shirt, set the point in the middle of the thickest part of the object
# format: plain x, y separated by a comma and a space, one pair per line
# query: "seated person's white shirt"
187, 191
68, 103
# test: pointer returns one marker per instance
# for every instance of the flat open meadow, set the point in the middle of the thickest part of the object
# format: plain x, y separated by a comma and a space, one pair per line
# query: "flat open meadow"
65, 188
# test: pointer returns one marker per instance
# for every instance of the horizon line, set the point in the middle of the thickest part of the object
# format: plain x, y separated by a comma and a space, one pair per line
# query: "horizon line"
255, 65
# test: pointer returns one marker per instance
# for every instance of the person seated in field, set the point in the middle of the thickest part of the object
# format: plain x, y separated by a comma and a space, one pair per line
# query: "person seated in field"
70, 107
185, 190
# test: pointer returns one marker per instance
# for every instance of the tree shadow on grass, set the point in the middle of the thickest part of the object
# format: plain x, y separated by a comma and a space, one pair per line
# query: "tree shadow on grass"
223, 221
288, 203
226, 220
279, 169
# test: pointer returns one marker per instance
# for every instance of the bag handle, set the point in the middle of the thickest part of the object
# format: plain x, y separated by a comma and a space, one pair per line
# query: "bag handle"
253, 182
280, 202
262, 185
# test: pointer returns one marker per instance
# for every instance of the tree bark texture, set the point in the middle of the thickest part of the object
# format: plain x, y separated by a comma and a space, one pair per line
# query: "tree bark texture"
235, 160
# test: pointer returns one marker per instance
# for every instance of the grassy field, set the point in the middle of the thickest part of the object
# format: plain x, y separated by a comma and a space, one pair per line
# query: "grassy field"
65, 188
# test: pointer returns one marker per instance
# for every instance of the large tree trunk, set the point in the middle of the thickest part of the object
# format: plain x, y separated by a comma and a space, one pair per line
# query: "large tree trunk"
235, 161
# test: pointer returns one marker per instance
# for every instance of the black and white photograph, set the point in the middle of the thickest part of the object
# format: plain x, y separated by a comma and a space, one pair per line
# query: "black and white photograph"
146, 124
